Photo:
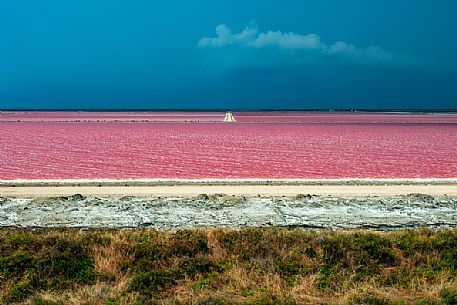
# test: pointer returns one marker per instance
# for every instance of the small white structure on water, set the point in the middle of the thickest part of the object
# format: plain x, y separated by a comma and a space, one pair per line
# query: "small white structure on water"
229, 117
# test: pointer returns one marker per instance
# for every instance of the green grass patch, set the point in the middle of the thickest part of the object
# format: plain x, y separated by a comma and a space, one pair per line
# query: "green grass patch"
273, 266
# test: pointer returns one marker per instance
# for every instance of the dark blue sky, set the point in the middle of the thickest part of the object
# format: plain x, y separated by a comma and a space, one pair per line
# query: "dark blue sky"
264, 54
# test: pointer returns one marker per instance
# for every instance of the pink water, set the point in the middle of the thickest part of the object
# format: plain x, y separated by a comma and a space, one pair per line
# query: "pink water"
64, 150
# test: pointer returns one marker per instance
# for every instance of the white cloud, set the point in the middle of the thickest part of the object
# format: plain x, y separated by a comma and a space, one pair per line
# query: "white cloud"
250, 37
343, 48
287, 40
225, 37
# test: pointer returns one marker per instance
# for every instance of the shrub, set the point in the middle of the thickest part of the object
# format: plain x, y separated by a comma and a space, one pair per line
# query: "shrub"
41, 262
152, 282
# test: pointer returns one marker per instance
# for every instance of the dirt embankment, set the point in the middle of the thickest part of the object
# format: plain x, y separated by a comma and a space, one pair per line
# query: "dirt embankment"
209, 211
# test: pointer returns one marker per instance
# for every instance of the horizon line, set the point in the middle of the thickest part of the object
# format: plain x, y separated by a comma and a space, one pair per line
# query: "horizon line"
413, 110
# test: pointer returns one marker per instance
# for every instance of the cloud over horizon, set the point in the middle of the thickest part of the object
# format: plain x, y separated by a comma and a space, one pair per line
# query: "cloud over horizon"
303, 48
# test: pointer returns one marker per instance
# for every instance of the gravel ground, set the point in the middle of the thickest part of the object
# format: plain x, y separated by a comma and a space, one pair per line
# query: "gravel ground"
304, 211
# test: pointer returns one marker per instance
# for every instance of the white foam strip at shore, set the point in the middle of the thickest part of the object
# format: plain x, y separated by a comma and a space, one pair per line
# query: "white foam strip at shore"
230, 180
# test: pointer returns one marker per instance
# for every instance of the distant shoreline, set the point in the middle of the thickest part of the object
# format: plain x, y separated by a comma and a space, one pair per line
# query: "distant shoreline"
425, 111
304, 117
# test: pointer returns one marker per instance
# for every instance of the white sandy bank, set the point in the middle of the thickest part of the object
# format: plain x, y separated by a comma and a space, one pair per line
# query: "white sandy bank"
235, 189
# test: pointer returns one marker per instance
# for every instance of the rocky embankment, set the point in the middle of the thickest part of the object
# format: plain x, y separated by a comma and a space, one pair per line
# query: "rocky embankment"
305, 211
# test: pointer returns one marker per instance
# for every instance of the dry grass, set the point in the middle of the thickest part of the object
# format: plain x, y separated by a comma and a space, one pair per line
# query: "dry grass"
249, 266
107, 256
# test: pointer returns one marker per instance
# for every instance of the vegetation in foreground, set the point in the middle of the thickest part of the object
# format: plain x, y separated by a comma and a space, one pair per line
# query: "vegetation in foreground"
224, 266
